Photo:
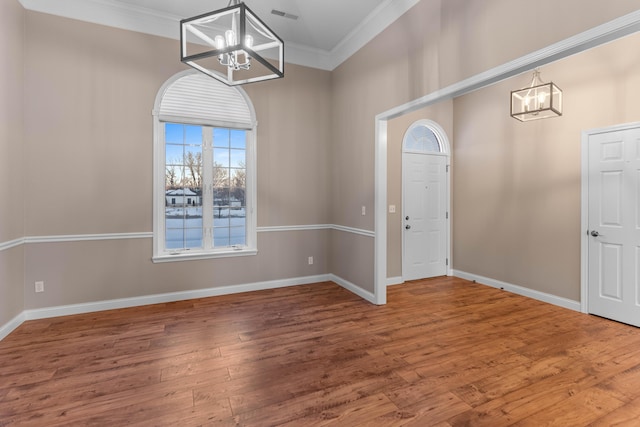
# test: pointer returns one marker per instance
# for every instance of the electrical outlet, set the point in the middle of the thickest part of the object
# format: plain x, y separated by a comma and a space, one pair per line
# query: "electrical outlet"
310, 260
39, 286
364, 210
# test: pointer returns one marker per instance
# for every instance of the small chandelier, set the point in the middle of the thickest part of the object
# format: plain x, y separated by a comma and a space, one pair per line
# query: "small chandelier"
538, 101
231, 45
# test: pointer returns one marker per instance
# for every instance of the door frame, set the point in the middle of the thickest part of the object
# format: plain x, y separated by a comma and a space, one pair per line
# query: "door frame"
584, 221
441, 135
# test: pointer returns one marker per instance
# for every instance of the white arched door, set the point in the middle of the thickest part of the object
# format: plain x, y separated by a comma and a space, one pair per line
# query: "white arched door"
425, 201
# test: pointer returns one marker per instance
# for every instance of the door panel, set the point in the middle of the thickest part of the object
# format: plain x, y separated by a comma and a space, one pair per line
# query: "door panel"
614, 225
424, 211
611, 270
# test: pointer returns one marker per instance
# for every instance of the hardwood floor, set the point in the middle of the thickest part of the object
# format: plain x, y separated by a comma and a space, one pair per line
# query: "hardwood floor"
442, 352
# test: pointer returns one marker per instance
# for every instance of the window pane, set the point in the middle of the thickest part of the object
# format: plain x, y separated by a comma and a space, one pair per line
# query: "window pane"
221, 196
193, 135
221, 137
238, 186
237, 158
221, 217
183, 186
238, 139
191, 151
193, 166
237, 197
193, 237
220, 237
173, 133
193, 215
237, 236
183, 218
174, 238
237, 217
173, 177
221, 157
174, 154
422, 138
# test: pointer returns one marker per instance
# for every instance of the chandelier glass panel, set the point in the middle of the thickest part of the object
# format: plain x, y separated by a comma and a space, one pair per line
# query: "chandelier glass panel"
232, 45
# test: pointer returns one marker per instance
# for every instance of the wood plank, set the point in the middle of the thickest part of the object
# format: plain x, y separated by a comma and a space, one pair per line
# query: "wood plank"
624, 416
427, 410
443, 352
580, 410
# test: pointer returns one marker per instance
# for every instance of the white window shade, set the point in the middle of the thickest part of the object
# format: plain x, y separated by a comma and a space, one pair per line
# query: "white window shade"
201, 98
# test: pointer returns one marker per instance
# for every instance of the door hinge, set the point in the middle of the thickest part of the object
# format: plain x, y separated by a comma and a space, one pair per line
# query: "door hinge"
447, 215
447, 261
447, 168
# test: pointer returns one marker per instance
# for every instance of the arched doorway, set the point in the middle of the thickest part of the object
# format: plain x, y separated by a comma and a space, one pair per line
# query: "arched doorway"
425, 201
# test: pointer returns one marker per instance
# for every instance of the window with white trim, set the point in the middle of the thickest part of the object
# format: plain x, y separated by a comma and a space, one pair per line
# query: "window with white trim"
204, 170
421, 137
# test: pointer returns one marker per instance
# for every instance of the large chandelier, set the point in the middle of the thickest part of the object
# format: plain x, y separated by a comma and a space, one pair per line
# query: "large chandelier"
232, 45
538, 101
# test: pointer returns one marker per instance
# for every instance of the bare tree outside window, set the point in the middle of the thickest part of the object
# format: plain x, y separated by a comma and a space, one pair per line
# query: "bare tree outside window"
239, 184
193, 163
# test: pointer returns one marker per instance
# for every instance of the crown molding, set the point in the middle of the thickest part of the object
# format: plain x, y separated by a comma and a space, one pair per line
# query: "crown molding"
111, 13
377, 21
117, 14
308, 57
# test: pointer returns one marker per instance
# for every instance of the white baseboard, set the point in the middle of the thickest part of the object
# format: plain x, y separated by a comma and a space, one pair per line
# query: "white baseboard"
11, 325
540, 296
353, 288
66, 310
391, 281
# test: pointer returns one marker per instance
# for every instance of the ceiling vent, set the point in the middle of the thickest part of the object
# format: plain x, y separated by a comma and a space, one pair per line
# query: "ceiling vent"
284, 14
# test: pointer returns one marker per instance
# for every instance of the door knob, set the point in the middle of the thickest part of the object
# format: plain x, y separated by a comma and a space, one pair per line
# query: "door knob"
406, 218
594, 233
407, 226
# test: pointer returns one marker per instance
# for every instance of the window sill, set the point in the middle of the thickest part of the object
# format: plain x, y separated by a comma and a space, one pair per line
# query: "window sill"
193, 256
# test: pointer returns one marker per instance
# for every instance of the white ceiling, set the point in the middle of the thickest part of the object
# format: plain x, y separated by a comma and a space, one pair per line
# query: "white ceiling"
326, 33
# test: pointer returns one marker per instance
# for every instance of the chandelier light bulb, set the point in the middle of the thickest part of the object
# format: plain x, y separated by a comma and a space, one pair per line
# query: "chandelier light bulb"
248, 41
230, 36
219, 42
541, 98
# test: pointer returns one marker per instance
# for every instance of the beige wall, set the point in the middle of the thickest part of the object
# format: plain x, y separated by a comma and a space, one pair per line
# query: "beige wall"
370, 83
294, 129
11, 117
89, 94
517, 185
83, 272
411, 59
478, 35
365, 85
351, 258
11, 158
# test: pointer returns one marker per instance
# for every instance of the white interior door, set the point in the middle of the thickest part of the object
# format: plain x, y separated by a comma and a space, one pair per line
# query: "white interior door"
425, 216
614, 225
